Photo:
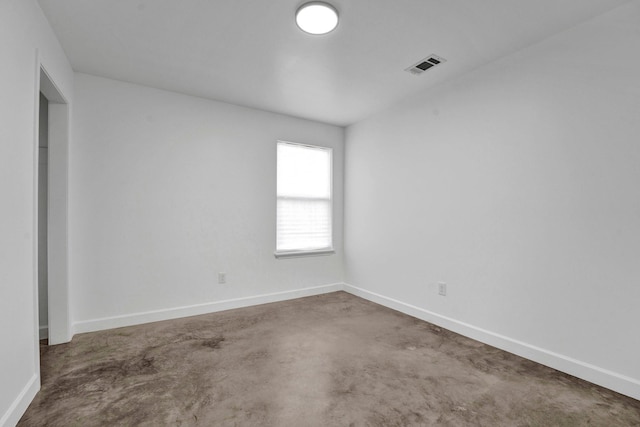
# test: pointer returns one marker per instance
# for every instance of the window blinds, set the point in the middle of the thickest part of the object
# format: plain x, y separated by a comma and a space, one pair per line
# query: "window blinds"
304, 198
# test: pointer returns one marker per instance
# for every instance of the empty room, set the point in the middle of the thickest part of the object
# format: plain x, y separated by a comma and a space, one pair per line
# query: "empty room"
334, 213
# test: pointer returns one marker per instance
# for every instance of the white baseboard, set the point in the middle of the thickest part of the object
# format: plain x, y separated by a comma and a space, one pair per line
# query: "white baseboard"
44, 332
603, 377
20, 405
197, 309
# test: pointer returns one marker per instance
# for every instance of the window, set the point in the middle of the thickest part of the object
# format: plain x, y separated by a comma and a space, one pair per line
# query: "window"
303, 224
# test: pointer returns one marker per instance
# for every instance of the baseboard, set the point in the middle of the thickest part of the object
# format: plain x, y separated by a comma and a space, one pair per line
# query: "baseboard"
44, 332
20, 405
594, 374
197, 309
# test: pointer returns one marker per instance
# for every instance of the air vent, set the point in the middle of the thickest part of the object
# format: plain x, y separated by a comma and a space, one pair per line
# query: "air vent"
423, 65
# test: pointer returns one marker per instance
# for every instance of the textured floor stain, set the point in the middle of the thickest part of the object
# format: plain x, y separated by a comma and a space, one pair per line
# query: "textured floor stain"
329, 360
213, 342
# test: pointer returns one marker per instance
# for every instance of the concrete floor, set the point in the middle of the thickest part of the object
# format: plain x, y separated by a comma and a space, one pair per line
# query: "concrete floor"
330, 360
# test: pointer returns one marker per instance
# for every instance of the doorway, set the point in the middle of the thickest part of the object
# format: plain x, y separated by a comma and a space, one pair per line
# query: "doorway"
51, 212
43, 216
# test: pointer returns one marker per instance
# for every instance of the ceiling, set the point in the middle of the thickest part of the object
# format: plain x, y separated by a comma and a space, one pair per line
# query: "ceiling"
251, 53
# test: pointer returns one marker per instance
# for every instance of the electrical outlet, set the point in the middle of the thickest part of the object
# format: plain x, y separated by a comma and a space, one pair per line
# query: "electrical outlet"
442, 289
222, 278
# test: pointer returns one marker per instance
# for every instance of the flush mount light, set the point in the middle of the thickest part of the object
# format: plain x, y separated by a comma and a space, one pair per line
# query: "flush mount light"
317, 17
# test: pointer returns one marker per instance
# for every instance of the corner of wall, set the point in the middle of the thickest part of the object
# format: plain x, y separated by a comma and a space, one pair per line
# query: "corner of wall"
21, 403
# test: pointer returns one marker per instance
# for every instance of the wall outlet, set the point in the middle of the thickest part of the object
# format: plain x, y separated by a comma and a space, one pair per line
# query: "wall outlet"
442, 289
222, 278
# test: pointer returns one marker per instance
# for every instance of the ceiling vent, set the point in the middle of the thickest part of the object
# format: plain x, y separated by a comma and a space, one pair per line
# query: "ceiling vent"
425, 64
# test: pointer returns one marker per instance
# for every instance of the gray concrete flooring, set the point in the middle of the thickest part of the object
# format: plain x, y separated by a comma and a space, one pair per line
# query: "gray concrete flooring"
329, 360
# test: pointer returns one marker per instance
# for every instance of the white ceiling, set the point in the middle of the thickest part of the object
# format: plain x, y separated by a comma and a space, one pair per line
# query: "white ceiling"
250, 52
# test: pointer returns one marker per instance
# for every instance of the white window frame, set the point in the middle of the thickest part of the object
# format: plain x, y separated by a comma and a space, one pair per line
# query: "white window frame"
308, 252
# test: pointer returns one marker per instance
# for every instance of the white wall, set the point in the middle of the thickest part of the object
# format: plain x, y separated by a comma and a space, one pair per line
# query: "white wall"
517, 185
167, 190
23, 29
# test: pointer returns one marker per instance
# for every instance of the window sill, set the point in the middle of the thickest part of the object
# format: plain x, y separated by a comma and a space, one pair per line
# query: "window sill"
299, 254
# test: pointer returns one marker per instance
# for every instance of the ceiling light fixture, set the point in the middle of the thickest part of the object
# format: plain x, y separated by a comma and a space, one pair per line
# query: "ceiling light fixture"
317, 17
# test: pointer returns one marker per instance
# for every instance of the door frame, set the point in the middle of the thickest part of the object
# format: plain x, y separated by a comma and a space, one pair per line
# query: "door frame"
60, 330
